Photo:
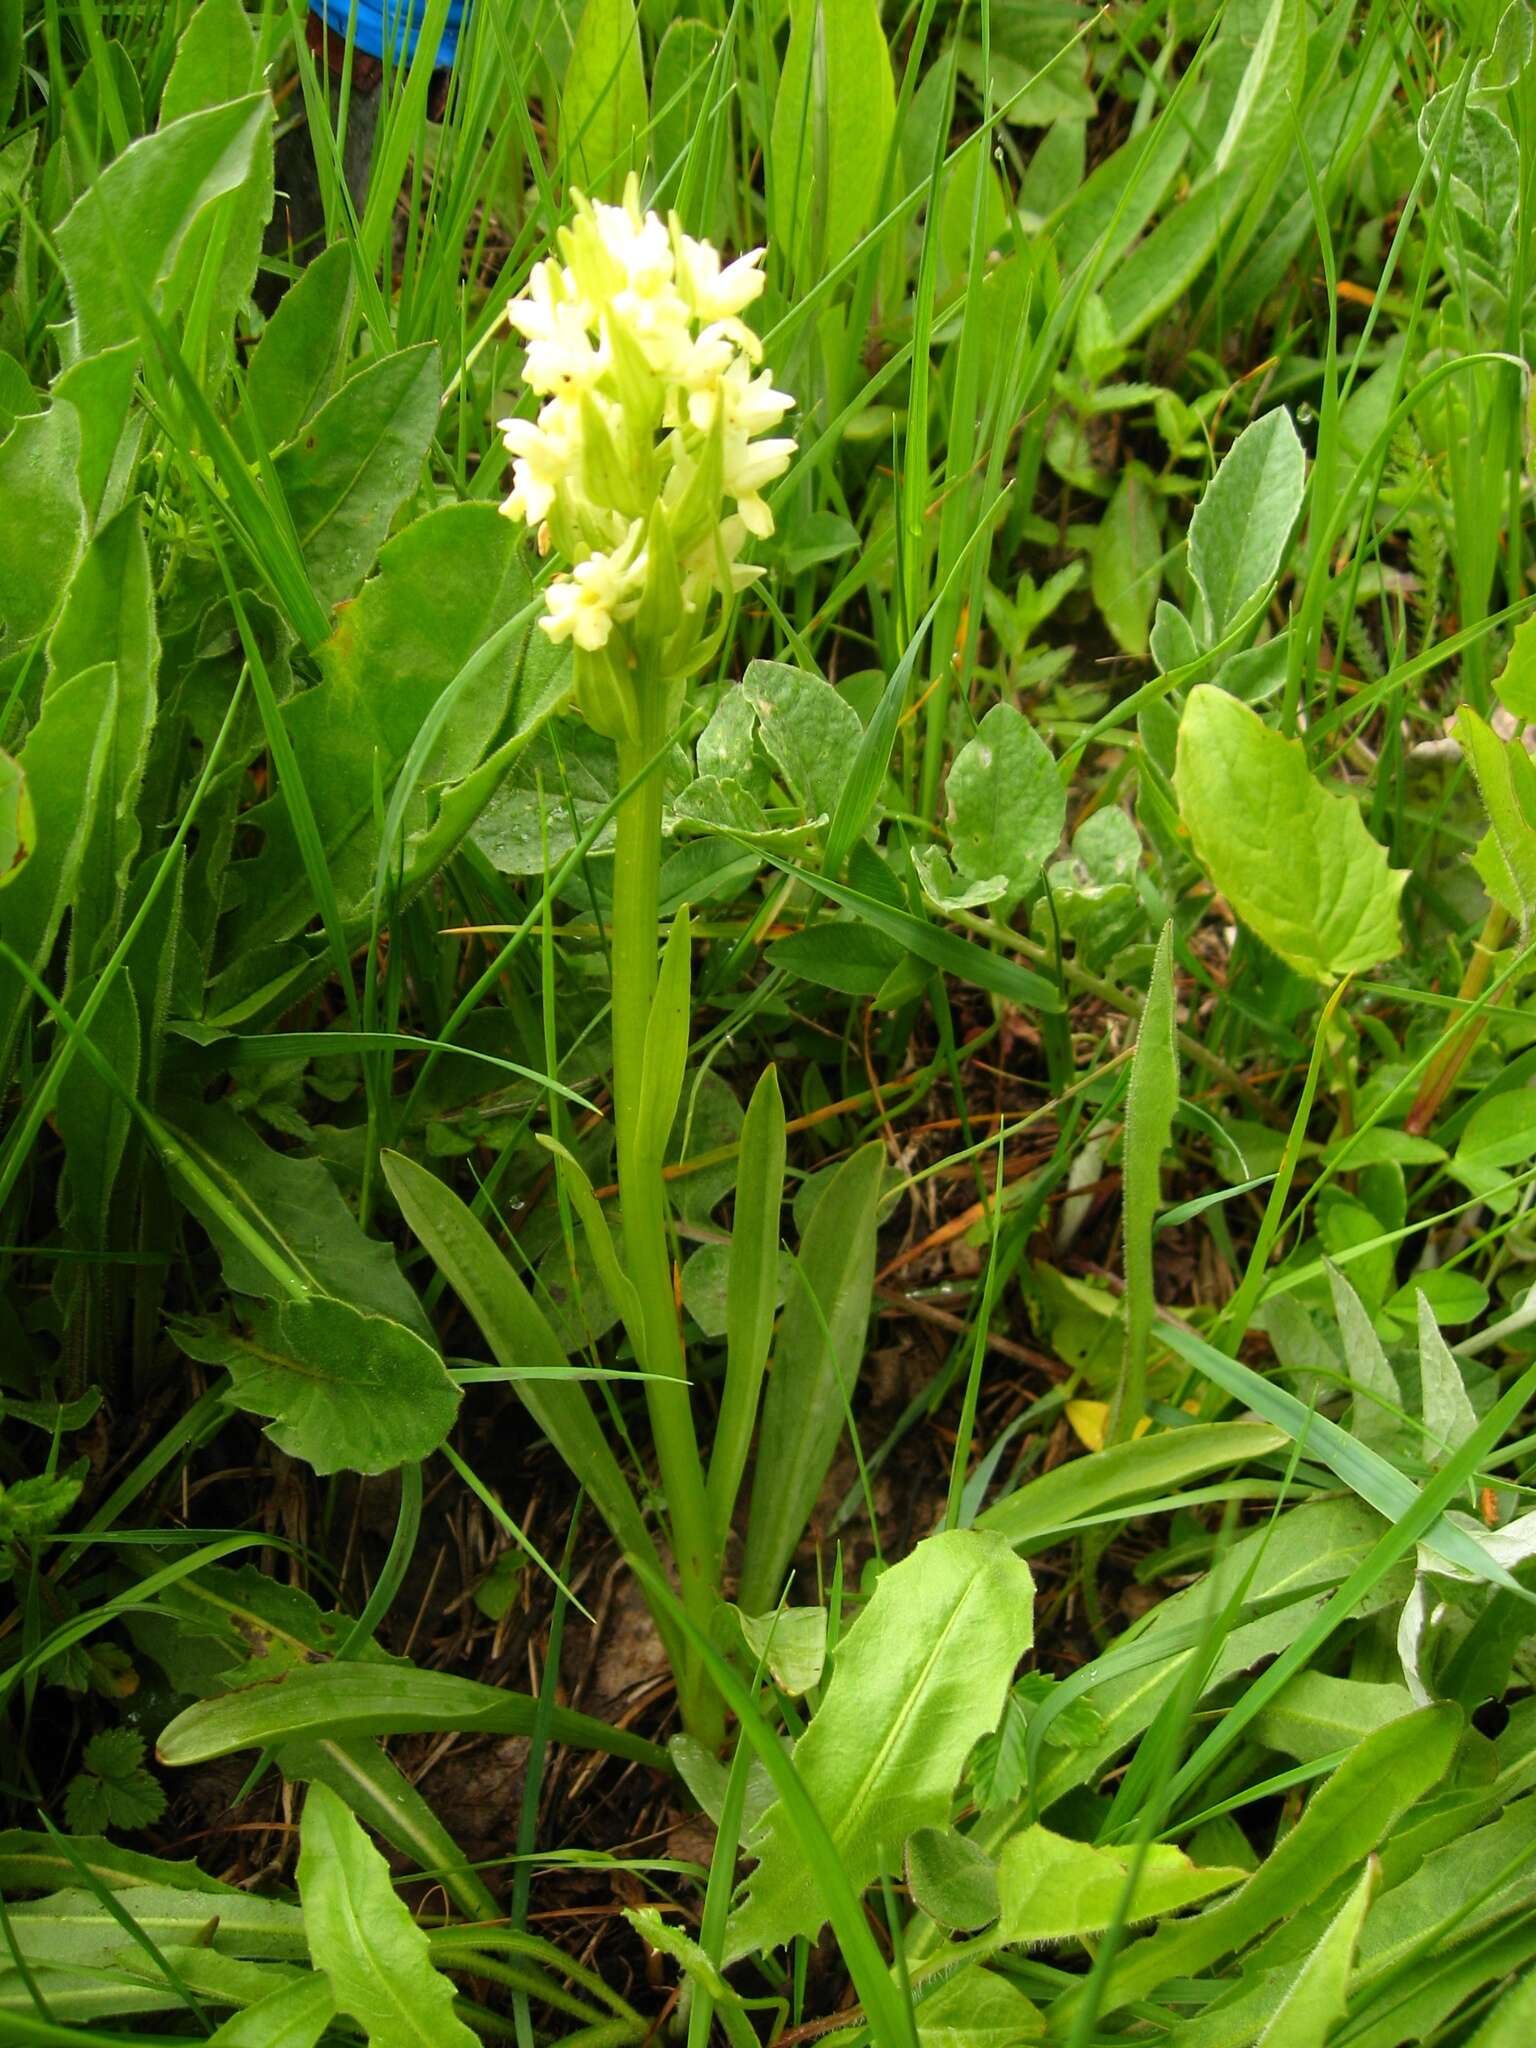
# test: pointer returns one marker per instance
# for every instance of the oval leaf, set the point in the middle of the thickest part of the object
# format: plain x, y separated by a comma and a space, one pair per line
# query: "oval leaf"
346, 1391
1293, 859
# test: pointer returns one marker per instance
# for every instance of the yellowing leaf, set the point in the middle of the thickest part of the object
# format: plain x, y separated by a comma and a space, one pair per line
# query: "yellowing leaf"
1054, 1889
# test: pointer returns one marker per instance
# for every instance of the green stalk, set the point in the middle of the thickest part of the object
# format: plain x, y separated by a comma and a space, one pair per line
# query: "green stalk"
643, 1201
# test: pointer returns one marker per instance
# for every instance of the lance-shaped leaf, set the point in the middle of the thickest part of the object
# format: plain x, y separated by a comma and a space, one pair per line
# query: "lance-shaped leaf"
919, 1678
127, 232
519, 1335
1344, 1821
1240, 527
295, 2016
1314, 1999
363, 1936
1506, 781
343, 1701
816, 1366
752, 1290
1151, 1103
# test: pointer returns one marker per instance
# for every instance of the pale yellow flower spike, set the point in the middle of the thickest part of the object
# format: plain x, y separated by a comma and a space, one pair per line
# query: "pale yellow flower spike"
648, 460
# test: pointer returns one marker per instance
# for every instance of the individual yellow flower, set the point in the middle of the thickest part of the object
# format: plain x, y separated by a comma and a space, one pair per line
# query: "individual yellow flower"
601, 591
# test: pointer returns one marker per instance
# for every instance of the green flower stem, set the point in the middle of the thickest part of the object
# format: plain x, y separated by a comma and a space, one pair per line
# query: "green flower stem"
643, 1201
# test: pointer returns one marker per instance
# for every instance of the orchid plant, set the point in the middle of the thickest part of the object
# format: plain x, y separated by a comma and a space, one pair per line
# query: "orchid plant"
644, 472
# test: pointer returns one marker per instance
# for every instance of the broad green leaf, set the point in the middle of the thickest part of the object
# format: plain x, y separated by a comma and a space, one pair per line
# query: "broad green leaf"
346, 1391
18, 826
952, 1879
1315, 1715
832, 122
1238, 534
112, 429
137, 218
810, 732
65, 761
73, 1993
74, 1926
10, 56
1378, 1400
842, 955
1500, 1134
17, 396
791, 1642
752, 1290
1506, 781
295, 1205
1293, 859
922, 1673
218, 1630
1275, 1574
1466, 1886
1512, 2022
362, 1935
680, 82
816, 1368
603, 115
1151, 1104
1122, 1474
1265, 71
42, 520
295, 366
1094, 892
342, 1701
1516, 681
1344, 1821
977, 2008
293, 2017
1006, 811
215, 61
447, 588
1316, 1997
1454, 1297
519, 1334
1449, 1417
1126, 559
355, 464
31, 1861
1051, 1888
109, 615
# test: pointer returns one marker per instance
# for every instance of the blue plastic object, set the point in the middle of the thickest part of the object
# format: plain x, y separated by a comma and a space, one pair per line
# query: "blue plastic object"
394, 24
